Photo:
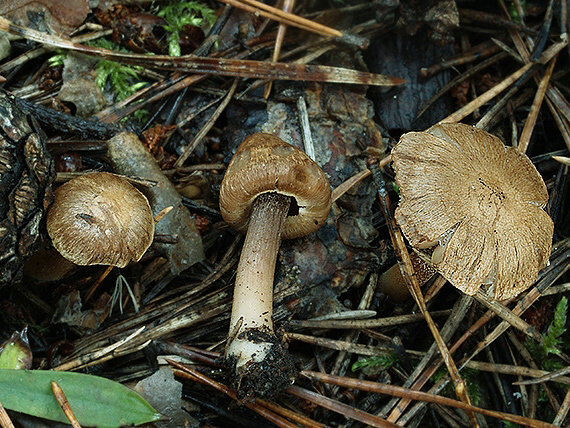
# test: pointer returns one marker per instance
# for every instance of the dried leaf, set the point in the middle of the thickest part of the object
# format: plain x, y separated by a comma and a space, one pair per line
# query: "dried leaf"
55, 16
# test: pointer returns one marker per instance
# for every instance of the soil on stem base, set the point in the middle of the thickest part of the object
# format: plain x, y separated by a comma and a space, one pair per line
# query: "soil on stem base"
274, 373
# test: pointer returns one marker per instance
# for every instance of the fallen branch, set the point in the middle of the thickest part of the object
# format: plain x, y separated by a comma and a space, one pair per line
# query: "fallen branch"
217, 66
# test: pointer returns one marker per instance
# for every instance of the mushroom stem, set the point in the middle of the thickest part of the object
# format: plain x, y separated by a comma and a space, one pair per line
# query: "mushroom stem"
252, 339
266, 181
253, 292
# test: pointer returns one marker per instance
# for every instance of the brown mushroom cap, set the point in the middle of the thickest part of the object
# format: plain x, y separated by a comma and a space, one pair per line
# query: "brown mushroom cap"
264, 163
479, 201
100, 219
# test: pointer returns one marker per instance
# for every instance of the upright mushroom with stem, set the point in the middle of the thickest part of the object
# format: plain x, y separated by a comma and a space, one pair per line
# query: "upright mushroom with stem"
273, 191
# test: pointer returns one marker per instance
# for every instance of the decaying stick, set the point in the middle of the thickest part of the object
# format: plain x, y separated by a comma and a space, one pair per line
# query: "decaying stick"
525, 70
508, 315
219, 66
397, 391
288, 18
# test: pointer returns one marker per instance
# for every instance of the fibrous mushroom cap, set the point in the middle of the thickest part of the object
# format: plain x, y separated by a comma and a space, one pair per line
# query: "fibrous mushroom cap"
100, 218
479, 201
264, 163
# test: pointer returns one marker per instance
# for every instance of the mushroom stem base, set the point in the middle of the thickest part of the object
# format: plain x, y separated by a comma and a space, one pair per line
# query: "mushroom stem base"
261, 364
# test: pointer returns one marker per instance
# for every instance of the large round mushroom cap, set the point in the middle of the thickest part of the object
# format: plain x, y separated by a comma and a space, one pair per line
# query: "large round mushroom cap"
478, 202
264, 163
100, 219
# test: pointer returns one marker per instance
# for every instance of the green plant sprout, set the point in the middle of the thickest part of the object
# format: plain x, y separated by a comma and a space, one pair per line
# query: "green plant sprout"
552, 341
472, 380
513, 10
396, 187
57, 59
543, 353
119, 77
179, 14
117, 296
375, 363
123, 80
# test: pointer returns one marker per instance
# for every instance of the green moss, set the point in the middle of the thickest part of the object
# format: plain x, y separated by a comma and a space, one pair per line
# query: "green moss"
472, 382
179, 14
513, 10
552, 341
122, 80
375, 363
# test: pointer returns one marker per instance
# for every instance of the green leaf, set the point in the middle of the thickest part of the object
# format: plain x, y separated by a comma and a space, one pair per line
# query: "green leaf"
15, 353
96, 401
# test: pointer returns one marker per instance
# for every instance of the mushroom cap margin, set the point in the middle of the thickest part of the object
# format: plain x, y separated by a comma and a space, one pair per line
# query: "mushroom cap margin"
264, 163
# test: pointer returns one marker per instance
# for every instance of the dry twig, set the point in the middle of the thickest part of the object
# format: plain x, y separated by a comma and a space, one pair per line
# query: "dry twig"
224, 67
397, 391
411, 280
522, 73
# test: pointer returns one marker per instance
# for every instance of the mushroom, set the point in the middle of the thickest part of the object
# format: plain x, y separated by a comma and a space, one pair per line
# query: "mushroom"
476, 204
393, 285
100, 218
273, 191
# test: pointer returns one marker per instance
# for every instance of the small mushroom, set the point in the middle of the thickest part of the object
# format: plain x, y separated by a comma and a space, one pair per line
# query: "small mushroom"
100, 218
393, 285
273, 191
477, 204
